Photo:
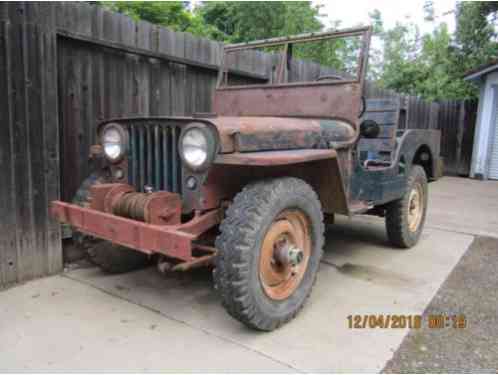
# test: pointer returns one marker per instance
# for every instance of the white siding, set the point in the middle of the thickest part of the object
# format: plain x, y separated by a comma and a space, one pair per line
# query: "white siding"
485, 127
493, 157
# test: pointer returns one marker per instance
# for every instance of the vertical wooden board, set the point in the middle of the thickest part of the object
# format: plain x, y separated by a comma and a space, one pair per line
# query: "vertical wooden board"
143, 80
8, 222
441, 125
83, 23
97, 17
4, 11
165, 89
22, 166
178, 89
144, 36
71, 14
127, 30
36, 148
160, 88
87, 108
179, 45
60, 15
168, 41
119, 88
109, 79
51, 147
111, 26
470, 113
416, 113
73, 132
204, 76
192, 47
127, 79
190, 92
155, 86
134, 84
32, 12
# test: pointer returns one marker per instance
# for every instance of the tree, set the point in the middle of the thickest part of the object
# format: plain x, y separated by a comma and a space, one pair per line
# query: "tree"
475, 37
244, 21
172, 14
433, 65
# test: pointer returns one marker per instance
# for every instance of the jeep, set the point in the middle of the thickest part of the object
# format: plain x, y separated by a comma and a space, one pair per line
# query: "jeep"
249, 188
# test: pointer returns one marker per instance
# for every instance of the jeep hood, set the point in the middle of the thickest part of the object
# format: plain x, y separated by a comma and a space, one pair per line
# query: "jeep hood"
246, 134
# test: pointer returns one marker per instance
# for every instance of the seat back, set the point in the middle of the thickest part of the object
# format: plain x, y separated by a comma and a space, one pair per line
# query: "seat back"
390, 114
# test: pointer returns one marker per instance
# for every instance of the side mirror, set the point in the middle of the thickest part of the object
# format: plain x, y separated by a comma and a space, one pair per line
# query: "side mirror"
369, 129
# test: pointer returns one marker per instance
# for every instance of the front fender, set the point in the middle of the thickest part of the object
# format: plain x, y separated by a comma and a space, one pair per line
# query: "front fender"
319, 168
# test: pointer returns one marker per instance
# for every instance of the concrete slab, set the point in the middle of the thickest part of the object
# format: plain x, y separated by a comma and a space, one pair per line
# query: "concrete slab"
57, 324
361, 274
464, 205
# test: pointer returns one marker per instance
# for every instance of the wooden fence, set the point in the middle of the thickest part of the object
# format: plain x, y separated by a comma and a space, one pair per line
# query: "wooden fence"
65, 66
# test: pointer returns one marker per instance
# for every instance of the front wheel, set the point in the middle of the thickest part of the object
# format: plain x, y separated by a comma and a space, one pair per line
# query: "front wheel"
405, 217
269, 251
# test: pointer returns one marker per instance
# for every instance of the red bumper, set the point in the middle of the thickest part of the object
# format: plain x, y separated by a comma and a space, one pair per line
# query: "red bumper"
171, 240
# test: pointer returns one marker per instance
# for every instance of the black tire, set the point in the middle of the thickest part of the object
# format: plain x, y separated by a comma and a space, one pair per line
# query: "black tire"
81, 198
117, 259
398, 228
236, 273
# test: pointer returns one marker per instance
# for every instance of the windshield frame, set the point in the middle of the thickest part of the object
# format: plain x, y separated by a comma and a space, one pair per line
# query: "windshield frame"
364, 32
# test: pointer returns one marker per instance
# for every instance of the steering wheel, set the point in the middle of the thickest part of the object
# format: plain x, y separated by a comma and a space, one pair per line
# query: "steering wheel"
330, 76
363, 107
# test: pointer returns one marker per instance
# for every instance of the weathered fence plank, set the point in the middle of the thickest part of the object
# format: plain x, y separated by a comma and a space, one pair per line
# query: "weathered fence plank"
8, 223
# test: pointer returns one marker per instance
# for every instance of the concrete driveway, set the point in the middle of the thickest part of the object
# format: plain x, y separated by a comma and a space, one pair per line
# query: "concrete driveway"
85, 320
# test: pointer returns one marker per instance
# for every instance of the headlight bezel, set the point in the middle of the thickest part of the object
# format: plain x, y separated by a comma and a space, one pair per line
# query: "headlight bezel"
211, 145
123, 135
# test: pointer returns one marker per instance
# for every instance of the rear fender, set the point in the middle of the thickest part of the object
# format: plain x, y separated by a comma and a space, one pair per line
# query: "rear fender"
416, 142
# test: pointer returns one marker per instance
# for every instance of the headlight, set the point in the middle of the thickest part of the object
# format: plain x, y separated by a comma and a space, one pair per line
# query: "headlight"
197, 145
114, 142
194, 145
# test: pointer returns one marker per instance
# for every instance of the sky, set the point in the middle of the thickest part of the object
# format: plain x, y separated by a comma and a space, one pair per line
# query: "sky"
353, 12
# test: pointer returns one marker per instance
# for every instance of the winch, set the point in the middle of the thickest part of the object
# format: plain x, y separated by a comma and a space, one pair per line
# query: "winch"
161, 207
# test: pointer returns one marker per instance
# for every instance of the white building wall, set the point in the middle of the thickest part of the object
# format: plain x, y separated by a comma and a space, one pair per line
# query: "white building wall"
485, 125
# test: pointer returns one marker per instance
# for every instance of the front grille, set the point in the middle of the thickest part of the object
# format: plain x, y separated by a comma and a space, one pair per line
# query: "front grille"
153, 158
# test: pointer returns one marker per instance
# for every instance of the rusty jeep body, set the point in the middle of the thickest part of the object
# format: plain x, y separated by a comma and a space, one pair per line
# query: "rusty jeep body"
270, 164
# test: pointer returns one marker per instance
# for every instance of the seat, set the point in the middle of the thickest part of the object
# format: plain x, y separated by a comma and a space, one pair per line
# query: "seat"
390, 114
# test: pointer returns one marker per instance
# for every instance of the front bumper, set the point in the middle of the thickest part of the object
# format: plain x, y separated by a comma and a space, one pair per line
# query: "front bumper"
175, 241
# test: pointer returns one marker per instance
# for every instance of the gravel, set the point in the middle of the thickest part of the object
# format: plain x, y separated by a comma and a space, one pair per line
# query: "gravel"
472, 290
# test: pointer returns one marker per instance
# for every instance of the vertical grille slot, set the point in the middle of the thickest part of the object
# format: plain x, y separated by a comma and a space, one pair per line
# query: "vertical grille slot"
153, 157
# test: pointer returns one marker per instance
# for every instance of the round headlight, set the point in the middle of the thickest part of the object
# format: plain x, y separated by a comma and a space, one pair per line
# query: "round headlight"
113, 142
195, 147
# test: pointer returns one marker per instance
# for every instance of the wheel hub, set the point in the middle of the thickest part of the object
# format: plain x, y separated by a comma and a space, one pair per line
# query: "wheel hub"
415, 208
284, 254
289, 254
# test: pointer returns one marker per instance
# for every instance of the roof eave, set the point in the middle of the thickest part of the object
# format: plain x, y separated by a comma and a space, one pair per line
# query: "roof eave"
475, 75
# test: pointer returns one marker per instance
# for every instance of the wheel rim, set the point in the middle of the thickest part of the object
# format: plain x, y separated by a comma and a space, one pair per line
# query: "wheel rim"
285, 253
415, 207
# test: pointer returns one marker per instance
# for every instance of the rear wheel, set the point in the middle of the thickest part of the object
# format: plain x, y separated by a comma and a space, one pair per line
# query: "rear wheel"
269, 251
82, 198
405, 217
